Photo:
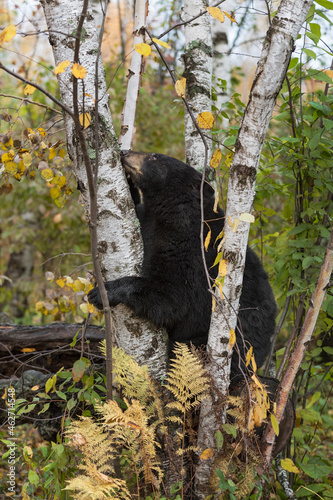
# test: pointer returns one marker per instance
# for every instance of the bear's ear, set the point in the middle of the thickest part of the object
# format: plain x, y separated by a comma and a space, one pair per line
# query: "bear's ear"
208, 189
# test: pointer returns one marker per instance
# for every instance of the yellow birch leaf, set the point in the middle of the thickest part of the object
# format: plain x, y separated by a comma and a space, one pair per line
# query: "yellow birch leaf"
207, 239
7, 34
143, 49
275, 424
79, 71
216, 158
60, 68
328, 72
62, 181
61, 282
223, 267
52, 153
249, 355
6, 157
206, 454
21, 166
216, 13
230, 17
213, 304
27, 159
254, 364
180, 87
69, 281
62, 153
55, 193
232, 338
85, 120
78, 286
205, 120
216, 202
28, 349
42, 132
47, 174
234, 225
84, 308
247, 217
35, 387
11, 167
29, 89
289, 465
258, 415
163, 44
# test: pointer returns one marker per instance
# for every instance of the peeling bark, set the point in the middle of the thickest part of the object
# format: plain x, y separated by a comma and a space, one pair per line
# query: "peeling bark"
267, 83
198, 60
119, 239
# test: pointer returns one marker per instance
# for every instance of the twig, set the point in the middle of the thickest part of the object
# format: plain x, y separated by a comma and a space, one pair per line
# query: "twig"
31, 102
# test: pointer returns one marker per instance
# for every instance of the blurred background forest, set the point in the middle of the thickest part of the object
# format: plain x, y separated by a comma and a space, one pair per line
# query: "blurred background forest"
45, 247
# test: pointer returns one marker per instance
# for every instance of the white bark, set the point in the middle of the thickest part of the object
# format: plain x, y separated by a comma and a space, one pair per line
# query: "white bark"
134, 81
267, 83
198, 60
119, 240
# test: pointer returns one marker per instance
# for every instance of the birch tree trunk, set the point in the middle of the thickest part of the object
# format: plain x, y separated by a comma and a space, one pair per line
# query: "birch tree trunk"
119, 240
198, 59
271, 70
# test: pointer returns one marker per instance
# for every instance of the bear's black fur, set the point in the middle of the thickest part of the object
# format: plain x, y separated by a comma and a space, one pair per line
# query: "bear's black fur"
172, 290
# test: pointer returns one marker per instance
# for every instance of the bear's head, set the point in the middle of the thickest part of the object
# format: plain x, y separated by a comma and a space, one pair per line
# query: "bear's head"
155, 173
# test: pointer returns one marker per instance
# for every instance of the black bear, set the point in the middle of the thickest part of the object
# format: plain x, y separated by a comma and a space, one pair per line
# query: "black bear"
172, 290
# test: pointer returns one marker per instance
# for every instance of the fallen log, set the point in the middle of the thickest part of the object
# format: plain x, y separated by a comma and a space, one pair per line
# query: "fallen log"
46, 348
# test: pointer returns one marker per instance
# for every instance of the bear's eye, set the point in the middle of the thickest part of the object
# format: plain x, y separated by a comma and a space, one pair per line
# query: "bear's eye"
153, 157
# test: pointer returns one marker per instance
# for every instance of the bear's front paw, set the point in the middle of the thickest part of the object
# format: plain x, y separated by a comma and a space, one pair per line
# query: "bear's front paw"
94, 297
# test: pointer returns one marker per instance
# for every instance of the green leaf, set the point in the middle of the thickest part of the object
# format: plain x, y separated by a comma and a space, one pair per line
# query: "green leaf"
219, 440
309, 415
78, 369
316, 468
328, 124
325, 3
319, 75
230, 429
307, 262
33, 477
310, 53
315, 29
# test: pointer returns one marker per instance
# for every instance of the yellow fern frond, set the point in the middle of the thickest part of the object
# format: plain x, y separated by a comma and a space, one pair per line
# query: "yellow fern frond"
187, 380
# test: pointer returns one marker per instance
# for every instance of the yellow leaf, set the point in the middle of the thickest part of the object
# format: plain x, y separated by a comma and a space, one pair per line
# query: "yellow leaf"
11, 167
223, 267
35, 388
216, 202
213, 304
42, 132
62, 153
61, 282
206, 454
52, 153
27, 159
55, 193
207, 239
232, 338
29, 89
7, 34
180, 87
234, 225
85, 120
275, 424
289, 465
79, 71
28, 349
62, 181
47, 174
247, 217
230, 17
143, 49
60, 68
254, 364
163, 44
216, 13
84, 308
249, 355
6, 157
78, 286
216, 158
205, 120
69, 281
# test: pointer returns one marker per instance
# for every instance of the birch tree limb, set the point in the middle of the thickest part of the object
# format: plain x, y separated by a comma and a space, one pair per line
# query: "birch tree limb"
267, 83
134, 78
119, 240
198, 59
